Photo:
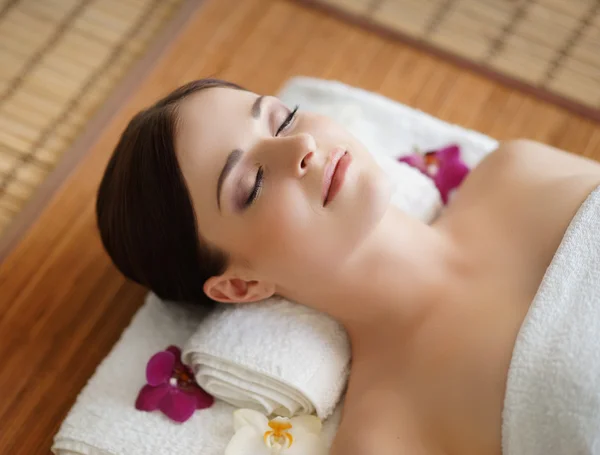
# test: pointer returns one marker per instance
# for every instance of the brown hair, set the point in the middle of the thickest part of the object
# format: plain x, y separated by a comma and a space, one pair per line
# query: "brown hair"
144, 212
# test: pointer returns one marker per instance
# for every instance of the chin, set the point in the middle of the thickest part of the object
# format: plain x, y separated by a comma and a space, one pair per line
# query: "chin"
370, 203
378, 198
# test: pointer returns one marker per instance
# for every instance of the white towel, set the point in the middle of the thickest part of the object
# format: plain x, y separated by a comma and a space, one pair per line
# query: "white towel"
552, 403
103, 421
274, 356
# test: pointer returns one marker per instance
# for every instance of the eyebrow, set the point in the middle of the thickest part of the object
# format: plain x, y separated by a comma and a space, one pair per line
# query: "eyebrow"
236, 154
257, 106
232, 160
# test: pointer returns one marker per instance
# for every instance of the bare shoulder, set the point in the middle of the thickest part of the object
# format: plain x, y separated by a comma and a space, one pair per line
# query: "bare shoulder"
530, 190
531, 157
522, 165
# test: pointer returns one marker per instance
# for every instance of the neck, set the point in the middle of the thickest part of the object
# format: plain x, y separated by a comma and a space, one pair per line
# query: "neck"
391, 282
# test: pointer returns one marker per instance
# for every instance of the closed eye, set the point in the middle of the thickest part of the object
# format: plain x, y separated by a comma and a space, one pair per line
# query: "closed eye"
258, 183
255, 189
287, 122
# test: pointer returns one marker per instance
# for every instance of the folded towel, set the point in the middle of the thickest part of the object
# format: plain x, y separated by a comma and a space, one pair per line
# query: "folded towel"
552, 403
274, 356
103, 420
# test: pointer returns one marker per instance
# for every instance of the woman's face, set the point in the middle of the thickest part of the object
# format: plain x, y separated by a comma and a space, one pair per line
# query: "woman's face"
287, 196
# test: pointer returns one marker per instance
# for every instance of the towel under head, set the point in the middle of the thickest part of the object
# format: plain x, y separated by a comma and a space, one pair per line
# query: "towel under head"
275, 356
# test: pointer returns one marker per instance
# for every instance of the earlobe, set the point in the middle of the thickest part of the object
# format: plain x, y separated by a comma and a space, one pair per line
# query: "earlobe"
227, 289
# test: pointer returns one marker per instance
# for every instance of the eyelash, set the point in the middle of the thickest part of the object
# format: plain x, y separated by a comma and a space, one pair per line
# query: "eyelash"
259, 175
288, 120
257, 187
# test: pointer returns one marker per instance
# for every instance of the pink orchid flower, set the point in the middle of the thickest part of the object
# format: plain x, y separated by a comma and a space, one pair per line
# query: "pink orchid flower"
171, 387
443, 166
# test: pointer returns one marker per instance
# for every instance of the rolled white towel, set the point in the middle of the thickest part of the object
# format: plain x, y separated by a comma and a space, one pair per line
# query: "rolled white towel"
275, 356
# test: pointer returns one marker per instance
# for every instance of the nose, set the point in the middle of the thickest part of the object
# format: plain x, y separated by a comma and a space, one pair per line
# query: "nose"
302, 148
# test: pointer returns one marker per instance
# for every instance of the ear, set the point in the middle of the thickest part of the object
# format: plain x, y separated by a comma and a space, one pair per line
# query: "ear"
230, 289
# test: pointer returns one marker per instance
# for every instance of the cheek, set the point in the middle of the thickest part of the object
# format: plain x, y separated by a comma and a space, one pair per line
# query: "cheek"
296, 239
285, 235
329, 133
288, 221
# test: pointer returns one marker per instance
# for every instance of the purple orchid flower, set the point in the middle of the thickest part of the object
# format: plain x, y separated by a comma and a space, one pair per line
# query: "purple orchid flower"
171, 387
443, 166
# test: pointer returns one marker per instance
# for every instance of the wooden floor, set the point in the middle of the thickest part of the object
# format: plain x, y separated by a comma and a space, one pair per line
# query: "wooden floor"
62, 306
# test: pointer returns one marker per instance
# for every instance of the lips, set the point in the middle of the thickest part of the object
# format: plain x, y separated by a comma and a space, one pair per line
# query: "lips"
335, 173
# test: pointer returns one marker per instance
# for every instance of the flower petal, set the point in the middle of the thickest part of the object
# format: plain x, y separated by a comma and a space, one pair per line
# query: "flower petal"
178, 406
307, 443
252, 418
309, 423
247, 441
415, 160
451, 152
149, 397
177, 353
449, 177
160, 367
203, 399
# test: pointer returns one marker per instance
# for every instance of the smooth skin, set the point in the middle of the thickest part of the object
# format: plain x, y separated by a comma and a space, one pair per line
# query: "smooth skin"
432, 311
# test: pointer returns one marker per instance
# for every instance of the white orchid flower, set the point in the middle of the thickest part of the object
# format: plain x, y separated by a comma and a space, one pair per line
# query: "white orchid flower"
257, 435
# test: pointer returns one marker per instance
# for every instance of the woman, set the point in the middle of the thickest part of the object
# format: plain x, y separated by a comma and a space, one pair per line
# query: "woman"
218, 194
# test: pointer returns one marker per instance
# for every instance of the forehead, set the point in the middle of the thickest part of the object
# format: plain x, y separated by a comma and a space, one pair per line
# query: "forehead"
208, 119
211, 123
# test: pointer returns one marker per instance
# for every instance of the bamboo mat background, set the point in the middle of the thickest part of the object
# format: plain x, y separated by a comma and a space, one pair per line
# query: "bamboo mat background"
59, 60
551, 46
